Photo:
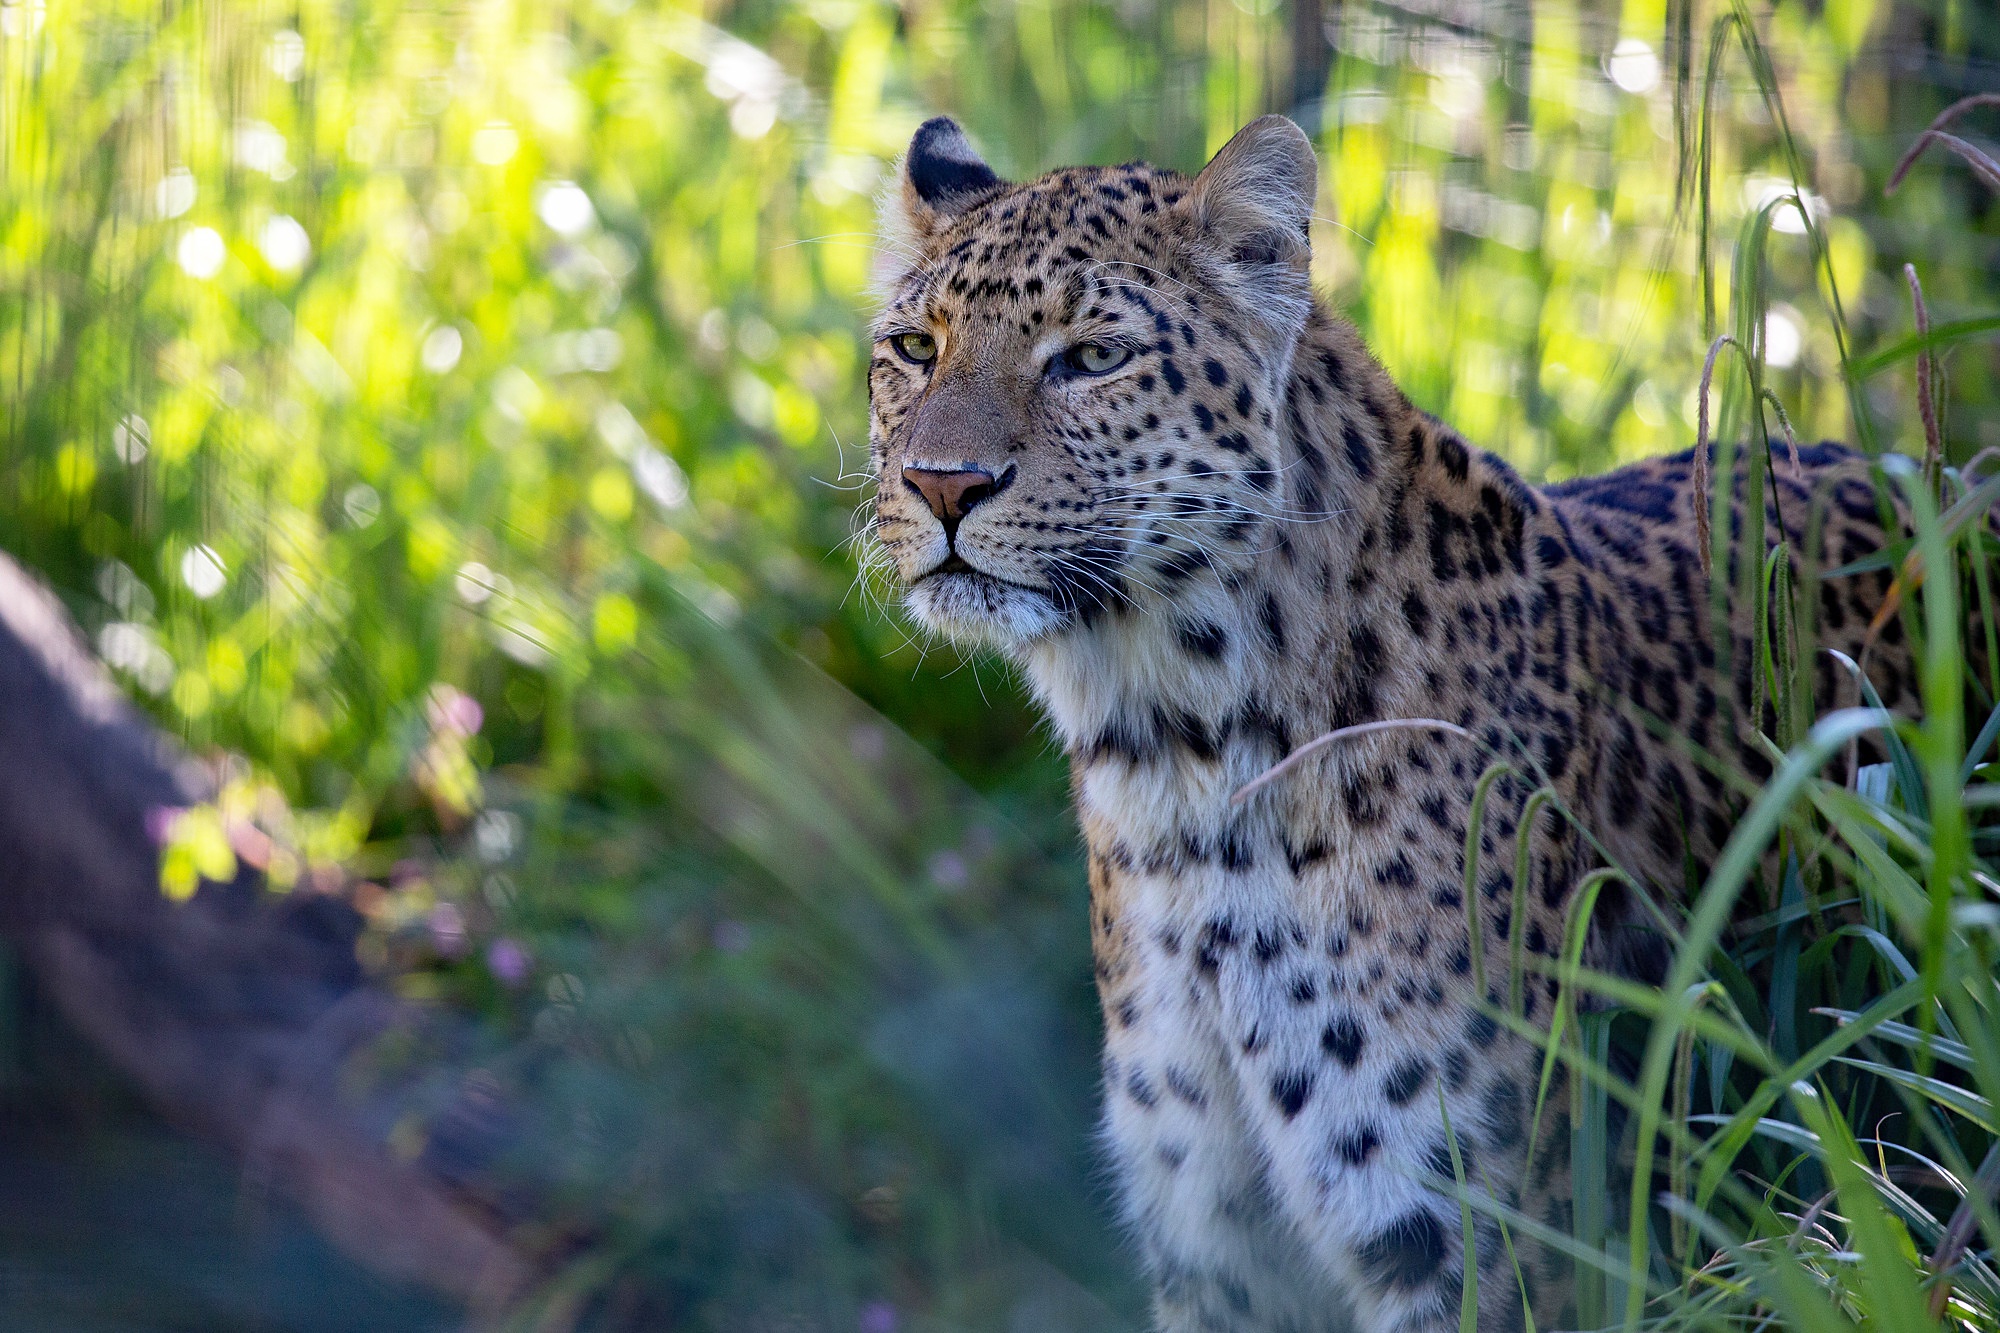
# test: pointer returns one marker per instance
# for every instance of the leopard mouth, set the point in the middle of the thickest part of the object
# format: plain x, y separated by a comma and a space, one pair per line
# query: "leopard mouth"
957, 565
961, 600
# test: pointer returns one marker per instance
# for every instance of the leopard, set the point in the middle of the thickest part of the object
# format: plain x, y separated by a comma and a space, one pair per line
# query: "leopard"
1288, 630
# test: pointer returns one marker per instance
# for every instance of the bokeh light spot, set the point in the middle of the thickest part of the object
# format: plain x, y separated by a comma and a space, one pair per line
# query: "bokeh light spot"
442, 348
203, 572
495, 143
284, 243
1633, 66
1783, 340
201, 252
566, 208
175, 193
131, 438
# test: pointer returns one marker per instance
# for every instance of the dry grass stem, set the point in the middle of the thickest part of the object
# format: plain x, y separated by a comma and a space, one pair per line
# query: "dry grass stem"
1318, 743
1983, 166
1702, 499
1926, 405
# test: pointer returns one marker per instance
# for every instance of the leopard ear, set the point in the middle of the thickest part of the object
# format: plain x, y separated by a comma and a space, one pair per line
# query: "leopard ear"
941, 176
1254, 199
943, 170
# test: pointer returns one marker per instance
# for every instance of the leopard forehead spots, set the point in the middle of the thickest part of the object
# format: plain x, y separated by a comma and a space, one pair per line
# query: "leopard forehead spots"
1114, 436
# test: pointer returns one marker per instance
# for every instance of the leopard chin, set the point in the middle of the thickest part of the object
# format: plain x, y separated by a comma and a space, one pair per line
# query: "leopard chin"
980, 610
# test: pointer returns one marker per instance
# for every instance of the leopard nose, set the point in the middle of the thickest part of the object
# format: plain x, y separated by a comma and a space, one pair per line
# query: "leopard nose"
951, 494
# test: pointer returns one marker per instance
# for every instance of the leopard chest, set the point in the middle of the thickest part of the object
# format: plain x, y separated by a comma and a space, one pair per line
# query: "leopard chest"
1283, 1002
1244, 959
1234, 946
1310, 879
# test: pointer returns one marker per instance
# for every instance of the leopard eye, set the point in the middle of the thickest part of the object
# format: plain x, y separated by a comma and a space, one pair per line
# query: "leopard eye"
919, 349
1096, 358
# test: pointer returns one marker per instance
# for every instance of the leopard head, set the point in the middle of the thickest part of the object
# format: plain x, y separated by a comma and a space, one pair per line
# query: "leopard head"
1077, 384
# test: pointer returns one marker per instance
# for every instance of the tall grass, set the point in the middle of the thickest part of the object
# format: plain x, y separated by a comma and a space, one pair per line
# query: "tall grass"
1802, 1120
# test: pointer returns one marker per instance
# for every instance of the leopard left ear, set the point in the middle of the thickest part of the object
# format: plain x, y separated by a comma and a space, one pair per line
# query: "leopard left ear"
943, 170
1254, 199
941, 176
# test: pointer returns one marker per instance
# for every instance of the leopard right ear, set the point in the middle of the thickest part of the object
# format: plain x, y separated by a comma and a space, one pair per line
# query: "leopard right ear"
941, 176
1251, 215
1255, 198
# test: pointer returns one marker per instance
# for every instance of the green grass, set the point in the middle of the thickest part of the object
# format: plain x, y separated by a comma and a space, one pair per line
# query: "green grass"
1796, 1211
1806, 1118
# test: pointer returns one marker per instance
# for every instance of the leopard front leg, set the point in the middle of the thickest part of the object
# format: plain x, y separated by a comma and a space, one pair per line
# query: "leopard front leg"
1357, 1083
1383, 1187
1195, 1182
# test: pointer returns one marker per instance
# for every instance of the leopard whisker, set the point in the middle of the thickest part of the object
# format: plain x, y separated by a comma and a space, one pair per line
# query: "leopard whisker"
1234, 509
1216, 505
1136, 547
1081, 560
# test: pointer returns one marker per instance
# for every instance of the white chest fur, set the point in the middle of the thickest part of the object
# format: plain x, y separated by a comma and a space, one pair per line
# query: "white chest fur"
1280, 1010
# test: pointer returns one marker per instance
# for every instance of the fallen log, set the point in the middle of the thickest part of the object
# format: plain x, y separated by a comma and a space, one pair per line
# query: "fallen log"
237, 1012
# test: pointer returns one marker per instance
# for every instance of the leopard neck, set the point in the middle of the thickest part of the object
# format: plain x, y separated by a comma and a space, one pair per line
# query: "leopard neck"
1305, 634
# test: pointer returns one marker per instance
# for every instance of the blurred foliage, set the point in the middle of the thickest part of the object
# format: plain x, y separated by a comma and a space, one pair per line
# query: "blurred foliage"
451, 414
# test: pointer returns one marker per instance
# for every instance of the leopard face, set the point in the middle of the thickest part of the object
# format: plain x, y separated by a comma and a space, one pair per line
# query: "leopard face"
1076, 386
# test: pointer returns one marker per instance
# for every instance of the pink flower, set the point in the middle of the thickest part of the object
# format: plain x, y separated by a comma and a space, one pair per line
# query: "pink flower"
508, 962
453, 710
447, 925
160, 823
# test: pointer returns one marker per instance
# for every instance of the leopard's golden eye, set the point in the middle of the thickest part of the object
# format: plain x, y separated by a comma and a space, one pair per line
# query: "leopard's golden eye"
1097, 358
919, 349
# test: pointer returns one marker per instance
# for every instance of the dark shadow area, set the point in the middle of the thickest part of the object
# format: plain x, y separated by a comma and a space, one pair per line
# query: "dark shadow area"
112, 1221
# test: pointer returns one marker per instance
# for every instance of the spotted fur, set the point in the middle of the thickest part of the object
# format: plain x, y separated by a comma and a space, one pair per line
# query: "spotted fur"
1243, 536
